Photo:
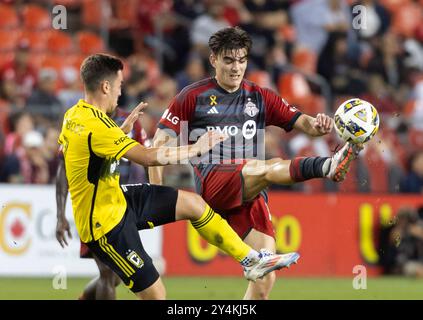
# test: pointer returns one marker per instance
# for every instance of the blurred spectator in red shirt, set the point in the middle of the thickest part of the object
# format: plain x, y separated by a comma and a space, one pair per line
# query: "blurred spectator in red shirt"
20, 71
28, 164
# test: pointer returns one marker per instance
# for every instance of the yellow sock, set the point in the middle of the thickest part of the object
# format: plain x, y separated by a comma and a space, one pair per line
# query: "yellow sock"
216, 230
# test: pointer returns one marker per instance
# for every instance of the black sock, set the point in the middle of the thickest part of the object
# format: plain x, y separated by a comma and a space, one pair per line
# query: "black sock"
302, 169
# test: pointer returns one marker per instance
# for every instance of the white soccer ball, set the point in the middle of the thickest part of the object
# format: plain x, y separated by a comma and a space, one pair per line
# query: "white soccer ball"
356, 121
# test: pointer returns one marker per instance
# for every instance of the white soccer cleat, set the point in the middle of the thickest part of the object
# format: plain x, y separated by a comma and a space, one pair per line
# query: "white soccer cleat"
269, 262
341, 160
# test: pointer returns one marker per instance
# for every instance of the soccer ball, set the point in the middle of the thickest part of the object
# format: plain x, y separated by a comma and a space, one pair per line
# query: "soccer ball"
356, 121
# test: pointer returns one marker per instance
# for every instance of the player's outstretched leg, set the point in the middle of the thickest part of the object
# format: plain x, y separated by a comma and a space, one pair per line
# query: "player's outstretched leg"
213, 228
259, 174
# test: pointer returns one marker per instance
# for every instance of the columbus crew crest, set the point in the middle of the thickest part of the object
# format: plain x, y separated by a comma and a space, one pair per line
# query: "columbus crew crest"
250, 108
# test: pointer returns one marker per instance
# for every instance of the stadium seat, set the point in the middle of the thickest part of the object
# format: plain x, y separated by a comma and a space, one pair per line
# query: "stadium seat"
60, 42
58, 61
293, 86
260, 77
54, 61
295, 89
9, 39
37, 39
75, 60
89, 42
36, 17
8, 17
126, 12
406, 19
95, 12
288, 32
305, 60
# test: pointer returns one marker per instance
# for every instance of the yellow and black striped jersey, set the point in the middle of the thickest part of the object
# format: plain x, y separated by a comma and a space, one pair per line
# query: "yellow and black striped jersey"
92, 146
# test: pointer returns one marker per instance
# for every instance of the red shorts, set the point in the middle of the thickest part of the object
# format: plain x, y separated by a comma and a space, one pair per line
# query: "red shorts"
223, 191
84, 251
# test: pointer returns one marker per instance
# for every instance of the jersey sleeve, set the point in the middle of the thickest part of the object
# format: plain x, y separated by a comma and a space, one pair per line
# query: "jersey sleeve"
61, 139
110, 142
279, 112
179, 113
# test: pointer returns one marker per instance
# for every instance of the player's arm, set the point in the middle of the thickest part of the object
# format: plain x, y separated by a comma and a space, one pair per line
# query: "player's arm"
62, 225
314, 127
161, 137
172, 155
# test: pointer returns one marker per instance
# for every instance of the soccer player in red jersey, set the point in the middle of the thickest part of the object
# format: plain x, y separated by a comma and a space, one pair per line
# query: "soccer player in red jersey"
234, 183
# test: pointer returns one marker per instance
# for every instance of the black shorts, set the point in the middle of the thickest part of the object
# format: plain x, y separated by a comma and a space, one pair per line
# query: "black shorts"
121, 248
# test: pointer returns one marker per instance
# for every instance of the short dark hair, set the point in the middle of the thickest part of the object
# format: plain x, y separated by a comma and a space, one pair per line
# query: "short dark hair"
99, 67
229, 39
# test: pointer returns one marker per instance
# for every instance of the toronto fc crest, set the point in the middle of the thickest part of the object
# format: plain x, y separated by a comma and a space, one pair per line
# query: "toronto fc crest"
250, 108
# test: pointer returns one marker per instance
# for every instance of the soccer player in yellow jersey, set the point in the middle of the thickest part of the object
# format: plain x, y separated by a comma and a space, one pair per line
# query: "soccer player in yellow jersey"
108, 216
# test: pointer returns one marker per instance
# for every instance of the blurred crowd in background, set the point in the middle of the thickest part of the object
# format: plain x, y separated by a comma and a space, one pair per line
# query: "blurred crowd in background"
401, 244
314, 53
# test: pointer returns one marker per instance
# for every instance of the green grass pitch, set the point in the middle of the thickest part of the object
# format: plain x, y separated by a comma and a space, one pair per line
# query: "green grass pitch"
228, 288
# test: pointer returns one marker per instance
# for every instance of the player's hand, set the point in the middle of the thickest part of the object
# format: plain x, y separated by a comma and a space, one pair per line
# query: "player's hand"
208, 140
323, 123
128, 124
62, 228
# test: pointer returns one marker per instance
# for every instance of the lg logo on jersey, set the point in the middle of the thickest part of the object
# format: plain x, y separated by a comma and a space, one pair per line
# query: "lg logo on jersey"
249, 129
168, 116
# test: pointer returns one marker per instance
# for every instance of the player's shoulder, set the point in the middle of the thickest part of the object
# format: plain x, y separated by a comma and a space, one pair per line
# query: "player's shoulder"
251, 86
72, 112
91, 117
195, 89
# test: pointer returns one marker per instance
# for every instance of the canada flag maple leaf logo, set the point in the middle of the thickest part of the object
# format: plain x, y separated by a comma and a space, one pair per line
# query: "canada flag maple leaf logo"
17, 228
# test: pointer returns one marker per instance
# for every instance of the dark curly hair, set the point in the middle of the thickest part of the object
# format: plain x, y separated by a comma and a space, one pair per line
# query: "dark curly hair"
229, 39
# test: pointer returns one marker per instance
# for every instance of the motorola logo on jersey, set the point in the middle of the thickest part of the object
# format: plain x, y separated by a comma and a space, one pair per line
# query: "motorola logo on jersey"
249, 129
170, 117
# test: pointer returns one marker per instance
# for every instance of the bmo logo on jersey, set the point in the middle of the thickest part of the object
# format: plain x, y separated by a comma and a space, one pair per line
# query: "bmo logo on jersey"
229, 130
170, 117
249, 129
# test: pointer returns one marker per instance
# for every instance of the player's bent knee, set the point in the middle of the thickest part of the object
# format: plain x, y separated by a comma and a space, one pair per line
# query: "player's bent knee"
189, 206
109, 277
